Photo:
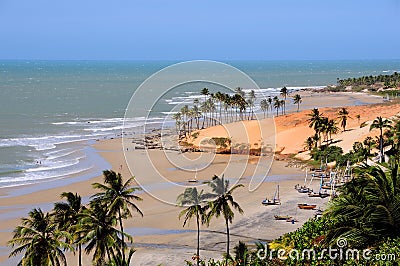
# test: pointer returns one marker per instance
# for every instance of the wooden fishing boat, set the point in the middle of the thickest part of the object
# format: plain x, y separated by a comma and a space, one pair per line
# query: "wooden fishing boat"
305, 206
282, 217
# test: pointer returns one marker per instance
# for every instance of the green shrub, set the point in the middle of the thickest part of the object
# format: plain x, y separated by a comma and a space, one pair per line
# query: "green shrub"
330, 153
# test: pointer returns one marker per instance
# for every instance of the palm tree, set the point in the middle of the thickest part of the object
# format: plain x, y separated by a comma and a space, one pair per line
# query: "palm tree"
240, 91
283, 104
204, 92
39, 238
240, 103
204, 110
309, 143
220, 98
196, 207
315, 121
178, 121
66, 216
252, 99
98, 233
380, 123
118, 197
196, 115
315, 118
185, 112
269, 100
297, 100
323, 128
222, 203
211, 110
331, 128
264, 106
284, 94
343, 115
277, 104
241, 254
369, 143
316, 137
367, 209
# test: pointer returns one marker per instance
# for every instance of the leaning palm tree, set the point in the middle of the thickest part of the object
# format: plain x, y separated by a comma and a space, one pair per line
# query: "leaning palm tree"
297, 100
222, 203
118, 197
66, 216
343, 116
196, 206
380, 124
39, 238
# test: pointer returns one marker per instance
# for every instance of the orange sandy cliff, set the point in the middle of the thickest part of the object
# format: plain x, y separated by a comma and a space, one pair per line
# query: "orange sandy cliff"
292, 129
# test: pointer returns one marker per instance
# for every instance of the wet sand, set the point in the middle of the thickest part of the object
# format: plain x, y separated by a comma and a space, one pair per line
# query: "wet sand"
159, 235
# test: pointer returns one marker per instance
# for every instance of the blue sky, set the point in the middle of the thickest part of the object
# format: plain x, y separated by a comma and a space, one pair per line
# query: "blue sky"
185, 30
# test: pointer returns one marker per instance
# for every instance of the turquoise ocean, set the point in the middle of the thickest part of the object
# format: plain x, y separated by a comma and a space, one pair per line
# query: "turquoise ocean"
51, 111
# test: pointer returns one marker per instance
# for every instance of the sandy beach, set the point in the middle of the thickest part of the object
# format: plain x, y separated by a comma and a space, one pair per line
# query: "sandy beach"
159, 235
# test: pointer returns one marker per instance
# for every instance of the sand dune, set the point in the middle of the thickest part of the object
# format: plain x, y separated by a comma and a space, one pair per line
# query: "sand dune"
157, 232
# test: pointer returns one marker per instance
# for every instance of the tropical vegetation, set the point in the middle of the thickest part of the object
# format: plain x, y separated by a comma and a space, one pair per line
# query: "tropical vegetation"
43, 238
217, 108
204, 206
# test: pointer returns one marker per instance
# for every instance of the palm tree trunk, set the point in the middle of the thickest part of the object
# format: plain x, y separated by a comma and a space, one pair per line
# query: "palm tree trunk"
80, 255
122, 236
198, 240
381, 146
227, 241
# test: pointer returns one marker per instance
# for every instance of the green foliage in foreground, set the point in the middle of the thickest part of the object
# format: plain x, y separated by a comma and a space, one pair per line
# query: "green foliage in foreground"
360, 227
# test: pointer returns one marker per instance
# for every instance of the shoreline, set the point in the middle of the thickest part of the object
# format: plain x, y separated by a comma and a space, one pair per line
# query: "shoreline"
159, 238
